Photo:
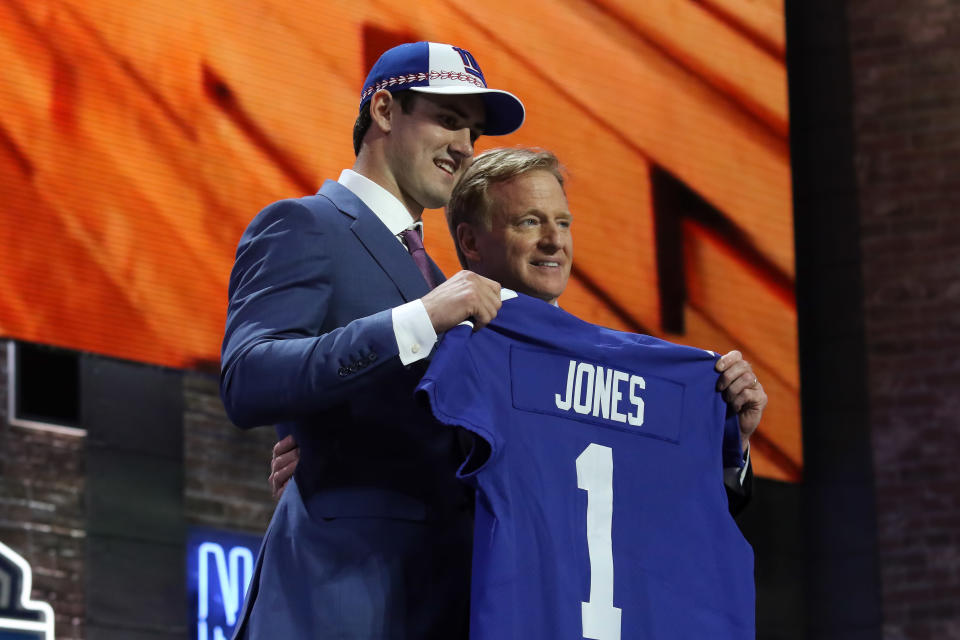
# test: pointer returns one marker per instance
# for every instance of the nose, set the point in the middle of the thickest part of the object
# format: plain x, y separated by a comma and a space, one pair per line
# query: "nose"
462, 144
549, 237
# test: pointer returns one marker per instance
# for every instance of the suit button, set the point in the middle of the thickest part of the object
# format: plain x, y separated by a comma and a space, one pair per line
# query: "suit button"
415, 347
372, 357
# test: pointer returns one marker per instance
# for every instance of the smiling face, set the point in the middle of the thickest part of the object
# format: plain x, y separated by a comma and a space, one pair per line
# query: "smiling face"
528, 247
429, 148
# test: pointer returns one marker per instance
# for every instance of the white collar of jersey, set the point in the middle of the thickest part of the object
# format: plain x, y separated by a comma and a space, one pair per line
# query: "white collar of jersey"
384, 204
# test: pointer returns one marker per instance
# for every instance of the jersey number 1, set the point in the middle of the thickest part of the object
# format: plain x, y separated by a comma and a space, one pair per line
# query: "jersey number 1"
601, 620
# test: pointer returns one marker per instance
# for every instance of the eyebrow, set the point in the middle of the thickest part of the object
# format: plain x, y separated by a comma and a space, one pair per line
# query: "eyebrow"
479, 126
540, 212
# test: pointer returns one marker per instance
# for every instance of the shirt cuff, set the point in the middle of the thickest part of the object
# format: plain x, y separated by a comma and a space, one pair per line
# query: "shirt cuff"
414, 331
746, 463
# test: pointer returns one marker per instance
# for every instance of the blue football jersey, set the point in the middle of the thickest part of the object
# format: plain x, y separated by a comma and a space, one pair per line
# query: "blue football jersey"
598, 463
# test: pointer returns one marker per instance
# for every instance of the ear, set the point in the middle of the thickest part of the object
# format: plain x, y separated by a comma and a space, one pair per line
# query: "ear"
381, 110
467, 241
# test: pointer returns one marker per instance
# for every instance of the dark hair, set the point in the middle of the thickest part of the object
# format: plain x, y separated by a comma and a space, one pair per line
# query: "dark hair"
364, 120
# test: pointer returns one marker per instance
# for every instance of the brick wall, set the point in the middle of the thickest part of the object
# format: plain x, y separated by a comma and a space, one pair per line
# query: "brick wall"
67, 512
906, 82
42, 511
225, 468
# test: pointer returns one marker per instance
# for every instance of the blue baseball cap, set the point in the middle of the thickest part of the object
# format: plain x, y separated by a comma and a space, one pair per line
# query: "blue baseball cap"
432, 67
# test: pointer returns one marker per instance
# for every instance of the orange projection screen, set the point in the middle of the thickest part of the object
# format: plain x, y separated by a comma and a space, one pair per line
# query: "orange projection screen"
137, 139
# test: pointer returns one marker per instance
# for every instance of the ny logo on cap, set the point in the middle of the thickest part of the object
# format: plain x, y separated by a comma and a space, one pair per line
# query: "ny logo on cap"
470, 63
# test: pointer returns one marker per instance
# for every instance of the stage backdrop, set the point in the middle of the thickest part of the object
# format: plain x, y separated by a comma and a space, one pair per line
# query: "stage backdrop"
137, 139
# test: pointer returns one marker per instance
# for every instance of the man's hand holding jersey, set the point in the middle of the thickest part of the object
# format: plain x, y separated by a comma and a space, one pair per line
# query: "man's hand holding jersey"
742, 390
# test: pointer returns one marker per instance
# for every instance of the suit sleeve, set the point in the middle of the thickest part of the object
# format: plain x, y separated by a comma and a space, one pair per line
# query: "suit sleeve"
737, 472
738, 493
277, 364
737, 480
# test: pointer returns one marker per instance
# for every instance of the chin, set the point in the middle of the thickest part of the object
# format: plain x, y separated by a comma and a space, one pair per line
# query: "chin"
547, 293
546, 296
437, 200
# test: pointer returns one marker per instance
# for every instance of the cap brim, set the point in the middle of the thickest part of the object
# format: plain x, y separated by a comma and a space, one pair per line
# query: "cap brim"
504, 111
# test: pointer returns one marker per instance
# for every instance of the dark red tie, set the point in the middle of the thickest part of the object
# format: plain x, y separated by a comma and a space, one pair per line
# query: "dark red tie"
415, 246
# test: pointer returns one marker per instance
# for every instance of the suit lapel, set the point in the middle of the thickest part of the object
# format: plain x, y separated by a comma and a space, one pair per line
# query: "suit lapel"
438, 276
382, 246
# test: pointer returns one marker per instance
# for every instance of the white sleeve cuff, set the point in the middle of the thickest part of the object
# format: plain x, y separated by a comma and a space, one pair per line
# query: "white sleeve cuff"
746, 463
413, 331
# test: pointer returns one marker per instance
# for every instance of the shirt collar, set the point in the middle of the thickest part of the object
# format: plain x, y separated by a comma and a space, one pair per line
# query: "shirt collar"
384, 204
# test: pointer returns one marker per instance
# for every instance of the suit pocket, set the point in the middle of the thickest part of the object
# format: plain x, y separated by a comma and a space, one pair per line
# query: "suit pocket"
364, 503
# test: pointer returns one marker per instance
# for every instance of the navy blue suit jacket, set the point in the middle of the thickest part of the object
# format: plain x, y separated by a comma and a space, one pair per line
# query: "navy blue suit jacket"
372, 538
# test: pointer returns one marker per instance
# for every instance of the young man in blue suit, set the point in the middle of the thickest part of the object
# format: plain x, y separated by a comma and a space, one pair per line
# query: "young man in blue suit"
332, 311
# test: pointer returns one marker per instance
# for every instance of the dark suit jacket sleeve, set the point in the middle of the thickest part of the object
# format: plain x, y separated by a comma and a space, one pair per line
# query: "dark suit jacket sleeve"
738, 494
278, 364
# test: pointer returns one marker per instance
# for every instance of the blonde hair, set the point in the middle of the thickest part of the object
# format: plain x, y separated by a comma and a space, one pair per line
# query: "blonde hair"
469, 201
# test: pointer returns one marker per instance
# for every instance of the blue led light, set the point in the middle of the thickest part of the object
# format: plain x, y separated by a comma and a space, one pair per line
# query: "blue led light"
219, 568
